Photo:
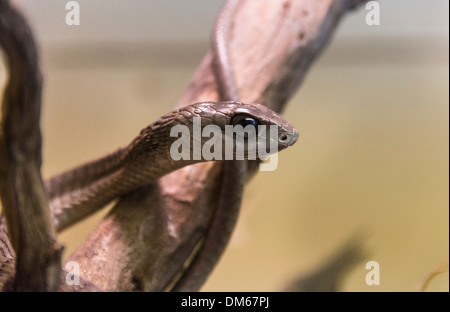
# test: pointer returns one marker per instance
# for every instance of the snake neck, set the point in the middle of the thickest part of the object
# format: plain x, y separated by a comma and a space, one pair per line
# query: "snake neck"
85, 175
85, 189
82, 191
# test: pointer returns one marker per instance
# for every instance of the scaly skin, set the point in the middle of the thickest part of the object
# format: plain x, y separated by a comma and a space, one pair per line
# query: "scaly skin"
77, 193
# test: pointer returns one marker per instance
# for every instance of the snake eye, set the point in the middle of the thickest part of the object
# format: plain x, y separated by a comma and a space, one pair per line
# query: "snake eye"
244, 120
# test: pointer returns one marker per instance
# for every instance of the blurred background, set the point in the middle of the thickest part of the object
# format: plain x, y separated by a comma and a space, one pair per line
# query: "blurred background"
373, 115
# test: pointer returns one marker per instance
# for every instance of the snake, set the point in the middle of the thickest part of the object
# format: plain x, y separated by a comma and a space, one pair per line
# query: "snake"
77, 193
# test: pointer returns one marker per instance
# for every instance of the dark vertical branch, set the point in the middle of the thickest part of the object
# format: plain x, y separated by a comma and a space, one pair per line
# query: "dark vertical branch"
22, 192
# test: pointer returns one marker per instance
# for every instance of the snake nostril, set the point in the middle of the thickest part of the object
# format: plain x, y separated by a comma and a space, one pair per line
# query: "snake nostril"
283, 137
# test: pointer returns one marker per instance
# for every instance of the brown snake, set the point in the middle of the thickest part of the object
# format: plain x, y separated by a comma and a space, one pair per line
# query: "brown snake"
83, 190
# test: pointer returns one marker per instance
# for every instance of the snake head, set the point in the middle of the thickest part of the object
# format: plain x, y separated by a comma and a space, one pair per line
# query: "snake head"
208, 131
256, 130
